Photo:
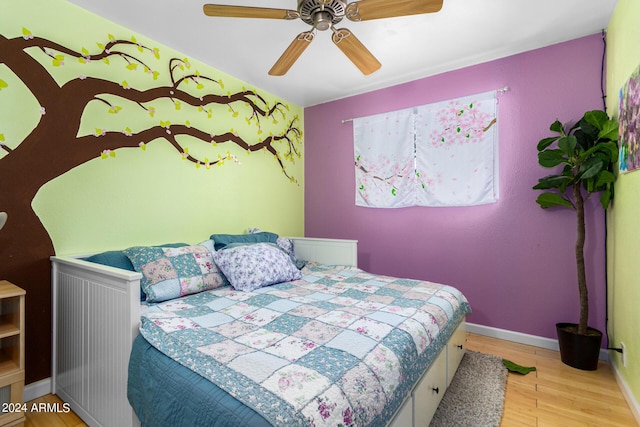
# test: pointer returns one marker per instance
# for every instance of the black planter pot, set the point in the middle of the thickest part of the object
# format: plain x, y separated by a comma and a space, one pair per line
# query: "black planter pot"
579, 351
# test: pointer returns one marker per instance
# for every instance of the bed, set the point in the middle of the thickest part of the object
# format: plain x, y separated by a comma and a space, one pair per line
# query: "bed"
336, 346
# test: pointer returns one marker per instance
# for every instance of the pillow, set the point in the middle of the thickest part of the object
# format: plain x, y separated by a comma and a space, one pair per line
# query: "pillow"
169, 273
249, 267
113, 259
119, 260
286, 245
222, 240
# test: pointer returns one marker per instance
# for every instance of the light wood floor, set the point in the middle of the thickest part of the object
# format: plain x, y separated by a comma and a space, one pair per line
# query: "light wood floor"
554, 395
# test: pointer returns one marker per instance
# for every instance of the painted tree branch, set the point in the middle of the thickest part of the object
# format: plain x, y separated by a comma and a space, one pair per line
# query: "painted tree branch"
90, 88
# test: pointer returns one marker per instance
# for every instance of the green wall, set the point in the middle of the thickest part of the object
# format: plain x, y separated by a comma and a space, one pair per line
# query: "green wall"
73, 156
623, 244
153, 195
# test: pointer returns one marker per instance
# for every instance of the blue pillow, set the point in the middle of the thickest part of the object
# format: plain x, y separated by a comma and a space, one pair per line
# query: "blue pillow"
222, 240
113, 259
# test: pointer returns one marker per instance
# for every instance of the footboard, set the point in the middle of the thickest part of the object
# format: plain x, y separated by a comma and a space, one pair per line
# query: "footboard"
95, 319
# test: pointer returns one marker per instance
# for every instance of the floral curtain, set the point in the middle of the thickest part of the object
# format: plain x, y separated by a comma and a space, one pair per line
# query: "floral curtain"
442, 154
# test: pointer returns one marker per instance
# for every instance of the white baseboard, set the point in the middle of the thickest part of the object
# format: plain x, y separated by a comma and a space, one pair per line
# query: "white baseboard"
626, 392
37, 389
534, 340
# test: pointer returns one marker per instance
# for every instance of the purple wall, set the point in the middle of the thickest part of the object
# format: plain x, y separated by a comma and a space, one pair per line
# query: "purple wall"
514, 261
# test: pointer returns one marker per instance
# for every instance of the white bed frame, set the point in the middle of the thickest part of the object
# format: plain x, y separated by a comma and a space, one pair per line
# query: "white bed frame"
96, 315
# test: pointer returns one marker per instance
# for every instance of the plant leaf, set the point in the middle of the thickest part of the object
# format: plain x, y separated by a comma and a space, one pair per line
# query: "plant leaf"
609, 131
544, 143
548, 200
596, 118
591, 168
605, 177
551, 158
553, 181
568, 144
557, 127
605, 198
519, 369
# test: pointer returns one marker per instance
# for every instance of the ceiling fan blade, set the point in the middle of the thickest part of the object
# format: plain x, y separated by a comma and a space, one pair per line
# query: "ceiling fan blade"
248, 12
291, 55
355, 51
365, 10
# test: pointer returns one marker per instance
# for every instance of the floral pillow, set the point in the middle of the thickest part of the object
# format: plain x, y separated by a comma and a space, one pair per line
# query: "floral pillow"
169, 273
284, 244
249, 267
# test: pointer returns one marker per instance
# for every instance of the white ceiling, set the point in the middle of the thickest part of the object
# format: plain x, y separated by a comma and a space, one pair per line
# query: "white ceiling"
463, 33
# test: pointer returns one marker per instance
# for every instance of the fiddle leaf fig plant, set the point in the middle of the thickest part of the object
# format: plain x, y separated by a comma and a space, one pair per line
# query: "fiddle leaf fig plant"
587, 151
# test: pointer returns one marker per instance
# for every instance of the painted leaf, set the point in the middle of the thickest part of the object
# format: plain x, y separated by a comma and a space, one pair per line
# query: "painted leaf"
58, 60
3, 84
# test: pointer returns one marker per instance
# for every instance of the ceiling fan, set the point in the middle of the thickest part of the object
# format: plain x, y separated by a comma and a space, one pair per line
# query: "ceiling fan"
324, 15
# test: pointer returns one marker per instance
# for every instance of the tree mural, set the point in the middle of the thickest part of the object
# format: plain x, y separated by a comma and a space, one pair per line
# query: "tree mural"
60, 141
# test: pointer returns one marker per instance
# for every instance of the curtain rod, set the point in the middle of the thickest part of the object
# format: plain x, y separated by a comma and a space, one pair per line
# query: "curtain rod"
501, 90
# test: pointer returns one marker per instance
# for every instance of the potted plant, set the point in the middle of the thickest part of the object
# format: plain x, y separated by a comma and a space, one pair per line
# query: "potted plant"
587, 152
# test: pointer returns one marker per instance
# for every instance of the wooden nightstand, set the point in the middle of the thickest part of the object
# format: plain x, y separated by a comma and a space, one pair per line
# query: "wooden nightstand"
12, 410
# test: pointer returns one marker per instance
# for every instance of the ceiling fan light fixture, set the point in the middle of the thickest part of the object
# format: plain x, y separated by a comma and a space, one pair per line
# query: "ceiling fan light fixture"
322, 20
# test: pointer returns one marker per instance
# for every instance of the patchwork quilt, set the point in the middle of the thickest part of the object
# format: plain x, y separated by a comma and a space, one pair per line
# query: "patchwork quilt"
338, 347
